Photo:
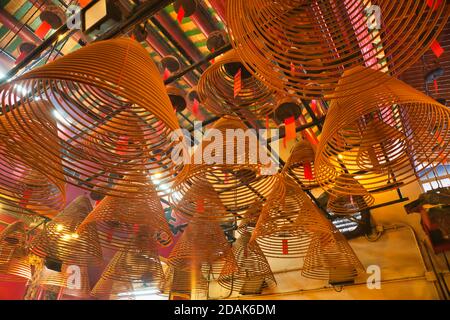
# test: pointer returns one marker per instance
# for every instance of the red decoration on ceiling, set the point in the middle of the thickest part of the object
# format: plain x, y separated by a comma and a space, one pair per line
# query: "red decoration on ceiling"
437, 49
43, 29
180, 14
307, 171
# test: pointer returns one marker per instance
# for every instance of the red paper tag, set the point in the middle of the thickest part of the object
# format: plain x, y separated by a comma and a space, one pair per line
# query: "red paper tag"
267, 122
437, 49
43, 29
135, 228
26, 198
166, 74
237, 83
180, 14
212, 51
436, 87
314, 106
434, 4
289, 125
201, 205
307, 171
122, 145
285, 246
83, 3
195, 106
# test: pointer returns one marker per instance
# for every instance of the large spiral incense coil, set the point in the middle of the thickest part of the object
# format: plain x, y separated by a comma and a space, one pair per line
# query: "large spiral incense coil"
344, 204
14, 261
253, 272
119, 222
301, 164
139, 266
288, 221
216, 89
71, 281
380, 139
303, 47
332, 260
187, 282
229, 168
204, 244
60, 242
100, 94
20, 182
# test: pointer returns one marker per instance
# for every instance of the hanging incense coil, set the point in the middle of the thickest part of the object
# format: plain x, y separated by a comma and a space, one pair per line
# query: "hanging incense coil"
139, 266
301, 165
98, 100
14, 261
288, 221
343, 204
216, 88
118, 222
204, 244
187, 282
253, 272
383, 138
332, 259
60, 242
21, 183
71, 281
303, 47
229, 170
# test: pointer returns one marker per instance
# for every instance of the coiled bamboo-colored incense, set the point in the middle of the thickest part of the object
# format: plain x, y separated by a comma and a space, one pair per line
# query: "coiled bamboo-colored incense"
380, 139
60, 242
303, 47
112, 111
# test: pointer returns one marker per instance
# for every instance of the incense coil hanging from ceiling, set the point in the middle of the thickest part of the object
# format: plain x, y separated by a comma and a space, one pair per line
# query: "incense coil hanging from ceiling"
139, 265
380, 139
203, 244
216, 89
253, 272
186, 282
303, 47
60, 242
232, 174
21, 184
119, 222
100, 94
333, 260
14, 261
288, 222
301, 165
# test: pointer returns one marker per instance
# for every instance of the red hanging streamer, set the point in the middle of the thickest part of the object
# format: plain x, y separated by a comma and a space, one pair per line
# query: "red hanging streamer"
180, 15
436, 86
307, 171
285, 246
314, 106
195, 105
43, 29
122, 145
166, 74
136, 228
434, 4
267, 122
201, 205
26, 196
212, 51
289, 125
437, 49
237, 83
